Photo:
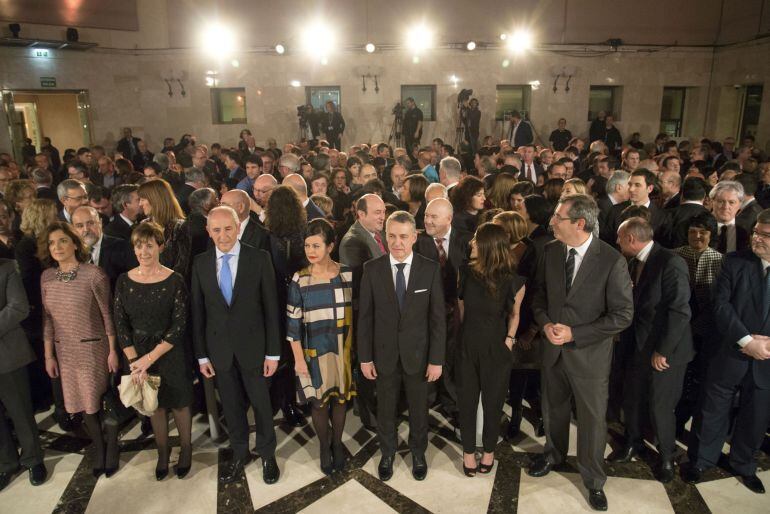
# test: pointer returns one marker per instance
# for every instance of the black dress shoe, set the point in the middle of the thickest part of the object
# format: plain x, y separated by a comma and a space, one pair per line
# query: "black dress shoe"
539, 428
64, 420
185, 456
234, 470
146, 426
385, 469
38, 474
623, 455
292, 416
540, 467
753, 483
6, 477
270, 471
108, 472
692, 474
597, 500
419, 467
666, 471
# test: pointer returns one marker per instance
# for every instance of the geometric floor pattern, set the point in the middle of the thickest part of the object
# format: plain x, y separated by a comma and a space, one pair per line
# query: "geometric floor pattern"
303, 488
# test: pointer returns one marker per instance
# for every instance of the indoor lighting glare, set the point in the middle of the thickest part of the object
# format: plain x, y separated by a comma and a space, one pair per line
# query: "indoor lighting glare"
503, 36
318, 39
471, 46
419, 38
416, 59
279, 49
534, 84
520, 41
295, 83
235, 63
218, 40
370, 48
506, 63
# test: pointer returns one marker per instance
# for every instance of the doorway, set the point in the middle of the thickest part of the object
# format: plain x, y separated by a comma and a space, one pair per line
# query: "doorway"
62, 116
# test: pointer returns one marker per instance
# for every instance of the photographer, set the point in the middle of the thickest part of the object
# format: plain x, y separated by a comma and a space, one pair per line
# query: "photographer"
333, 125
412, 124
473, 121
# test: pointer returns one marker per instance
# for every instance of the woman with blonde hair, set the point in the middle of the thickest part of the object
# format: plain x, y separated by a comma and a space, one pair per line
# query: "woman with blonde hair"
574, 186
158, 203
20, 194
500, 191
517, 229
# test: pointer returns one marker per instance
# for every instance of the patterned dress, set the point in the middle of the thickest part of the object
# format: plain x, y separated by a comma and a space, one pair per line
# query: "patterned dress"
77, 318
320, 316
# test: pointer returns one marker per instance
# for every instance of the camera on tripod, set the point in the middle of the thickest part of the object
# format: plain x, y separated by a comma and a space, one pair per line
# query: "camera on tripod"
398, 110
302, 114
464, 96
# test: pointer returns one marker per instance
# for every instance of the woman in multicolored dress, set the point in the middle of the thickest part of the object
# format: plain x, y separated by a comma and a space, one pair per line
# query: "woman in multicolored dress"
320, 330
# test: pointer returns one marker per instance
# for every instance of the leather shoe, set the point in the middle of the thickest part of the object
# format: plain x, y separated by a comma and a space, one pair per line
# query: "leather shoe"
234, 470
539, 428
666, 471
753, 483
293, 416
419, 467
385, 469
597, 500
692, 474
64, 420
623, 455
6, 477
38, 474
540, 467
270, 471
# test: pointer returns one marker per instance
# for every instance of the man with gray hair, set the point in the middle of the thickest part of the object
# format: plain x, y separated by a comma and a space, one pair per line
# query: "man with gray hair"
449, 173
617, 192
126, 209
72, 194
201, 201
726, 199
288, 164
194, 178
435, 191
43, 180
582, 300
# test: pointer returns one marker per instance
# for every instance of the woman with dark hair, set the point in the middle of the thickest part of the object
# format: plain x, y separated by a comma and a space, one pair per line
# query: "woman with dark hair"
490, 293
704, 263
339, 192
413, 193
552, 190
242, 143
499, 193
320, 331
158, 203
79, 336
151, 306
468, 201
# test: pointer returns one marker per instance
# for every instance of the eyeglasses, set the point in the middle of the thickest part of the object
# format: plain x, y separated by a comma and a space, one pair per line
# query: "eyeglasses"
559, 219
761, 235
76, 198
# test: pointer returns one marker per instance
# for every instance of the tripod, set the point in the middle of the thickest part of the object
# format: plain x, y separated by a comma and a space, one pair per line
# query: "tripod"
396, 132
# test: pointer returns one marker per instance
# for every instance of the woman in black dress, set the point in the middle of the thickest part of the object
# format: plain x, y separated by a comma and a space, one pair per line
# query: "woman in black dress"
490, 294
150, 317
468, 200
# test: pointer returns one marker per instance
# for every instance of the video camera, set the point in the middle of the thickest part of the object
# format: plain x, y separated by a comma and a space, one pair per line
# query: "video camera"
464, 95
398, 110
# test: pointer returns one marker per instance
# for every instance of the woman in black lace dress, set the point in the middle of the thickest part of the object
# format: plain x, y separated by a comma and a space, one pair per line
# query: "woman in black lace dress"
157, 200
150, 317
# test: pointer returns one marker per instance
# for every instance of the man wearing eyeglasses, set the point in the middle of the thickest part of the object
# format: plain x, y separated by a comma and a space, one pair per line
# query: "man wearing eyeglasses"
72, 194
583, 298
741, 299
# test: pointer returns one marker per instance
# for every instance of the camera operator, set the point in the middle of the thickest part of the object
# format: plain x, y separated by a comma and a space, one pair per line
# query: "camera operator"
412, 125
473, 122
333, 125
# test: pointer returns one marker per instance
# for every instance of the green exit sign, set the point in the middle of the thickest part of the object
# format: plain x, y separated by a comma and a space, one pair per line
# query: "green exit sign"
47, 81
42, 53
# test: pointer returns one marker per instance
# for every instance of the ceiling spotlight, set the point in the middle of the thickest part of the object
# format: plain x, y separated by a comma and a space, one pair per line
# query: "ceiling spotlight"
419, 38
324, 61
218, 40
279, 49
235, 63
416, 59
295, 83
503, 36
520, 41
506, 63
318, 39
370, 48
454, 79
471, 46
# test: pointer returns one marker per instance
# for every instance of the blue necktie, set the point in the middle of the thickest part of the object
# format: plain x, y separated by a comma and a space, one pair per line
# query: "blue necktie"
226, 279
400, 284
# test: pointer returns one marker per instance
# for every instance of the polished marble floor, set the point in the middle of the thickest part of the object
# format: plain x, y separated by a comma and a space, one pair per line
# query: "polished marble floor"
303, 488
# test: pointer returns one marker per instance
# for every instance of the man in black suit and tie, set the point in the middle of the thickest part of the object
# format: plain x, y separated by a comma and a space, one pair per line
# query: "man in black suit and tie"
640, 185
659, 341
251, 232
115, 256
126, 210
128, 145
677, 225
401, 338
750, 209
741, 299
236, 337
583, 299
727, 198
520, 132
450, 249
530, 170
298, 184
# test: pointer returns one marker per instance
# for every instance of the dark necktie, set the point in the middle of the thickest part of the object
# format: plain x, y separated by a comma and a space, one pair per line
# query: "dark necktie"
722, 242
766, 295
378, 238
400, 284
569, 270
633, 270
441, 251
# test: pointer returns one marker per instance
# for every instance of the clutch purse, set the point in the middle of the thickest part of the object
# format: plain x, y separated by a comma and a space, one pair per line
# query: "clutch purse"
141, 397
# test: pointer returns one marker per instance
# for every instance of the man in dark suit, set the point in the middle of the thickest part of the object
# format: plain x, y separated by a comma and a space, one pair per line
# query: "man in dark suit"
15, 396
72, 194
727, 198
450, 249
43, 180
520, 133
530, 170
750, 209
617, 193
677, 224
670, 189
201, 202
235, 173
126, 210
252, 232
741, 299
235, 334
194, 178
128, 145
660, 342
298, 184
115, 256
401, 338
333, 125
640, 185
582, 299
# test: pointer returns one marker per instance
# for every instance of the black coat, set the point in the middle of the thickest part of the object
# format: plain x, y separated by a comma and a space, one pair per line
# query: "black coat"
118, 228
183, 193
459, 251
115, 258
247, 329
677, 225
747, 217
255, 234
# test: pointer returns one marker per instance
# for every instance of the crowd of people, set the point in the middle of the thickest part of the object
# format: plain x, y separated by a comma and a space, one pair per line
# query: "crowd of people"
592, 279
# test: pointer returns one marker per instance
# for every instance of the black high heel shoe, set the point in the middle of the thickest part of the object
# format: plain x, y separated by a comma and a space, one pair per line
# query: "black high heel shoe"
339, 457
470, 472
485, 469
327, 465
185, 455
161, 472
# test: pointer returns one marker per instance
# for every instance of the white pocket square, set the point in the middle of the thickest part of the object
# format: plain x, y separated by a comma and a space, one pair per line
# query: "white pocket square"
420, 291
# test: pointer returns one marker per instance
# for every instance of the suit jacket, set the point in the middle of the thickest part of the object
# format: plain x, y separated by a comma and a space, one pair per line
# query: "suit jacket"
662, 310
523, 134
737, 300
125, 146
673, 234
116, 257
596, 308
539, 171
118, 228
255, 234
415, 335
183, 193
457, 256
198, 234
614, 219
47, 192
15, 351
313, 211
673, 202
356, 247
747, 217
247, 329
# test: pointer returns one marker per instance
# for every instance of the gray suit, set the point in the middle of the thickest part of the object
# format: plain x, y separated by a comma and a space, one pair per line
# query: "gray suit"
598, 306
15, 354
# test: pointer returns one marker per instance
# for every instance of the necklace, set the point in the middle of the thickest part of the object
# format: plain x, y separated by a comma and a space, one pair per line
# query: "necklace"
67, 276
149, 273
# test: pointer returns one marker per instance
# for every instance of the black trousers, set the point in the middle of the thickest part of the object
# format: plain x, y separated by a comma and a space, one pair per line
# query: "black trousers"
445, 388
388, 391
590, 393
481, 371
239, 387
658, 393
524, 384
16, 399
750, 425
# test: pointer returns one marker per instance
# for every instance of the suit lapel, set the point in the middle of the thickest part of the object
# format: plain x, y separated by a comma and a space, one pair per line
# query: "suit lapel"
586, 266
416, 268
212, 266
239, 277
647, 269
390, 286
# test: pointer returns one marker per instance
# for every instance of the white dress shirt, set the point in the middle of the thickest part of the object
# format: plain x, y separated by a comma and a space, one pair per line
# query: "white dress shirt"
731, 243
530, 173
243, 228
743, 341
644, 253
96, 250
407, 268
445, 244
581, 252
